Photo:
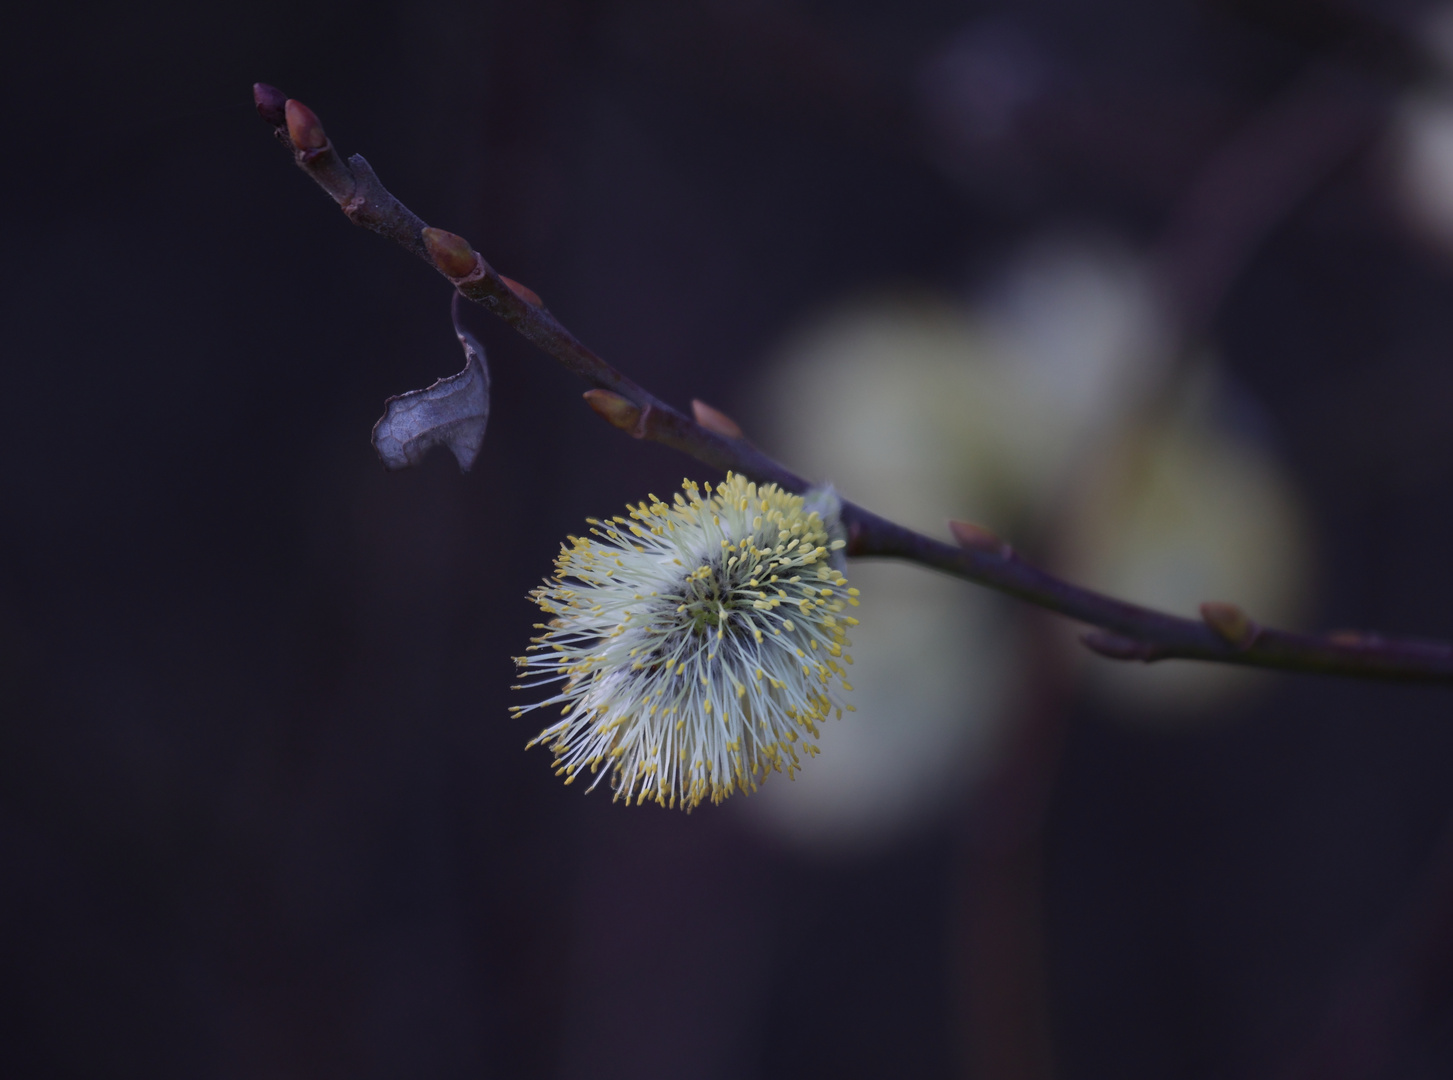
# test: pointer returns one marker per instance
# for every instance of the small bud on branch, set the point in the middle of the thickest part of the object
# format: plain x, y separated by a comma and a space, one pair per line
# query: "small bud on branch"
451, 254
524, 292
977, 538
304, 127
1115, 647
626, 415
1228, 620
715, 420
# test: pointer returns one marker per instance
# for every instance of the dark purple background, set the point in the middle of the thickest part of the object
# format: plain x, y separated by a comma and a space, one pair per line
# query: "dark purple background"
262, 810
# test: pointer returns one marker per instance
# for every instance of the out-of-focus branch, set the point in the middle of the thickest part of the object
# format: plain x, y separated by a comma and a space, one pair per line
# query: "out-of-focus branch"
1124, 631
1249, 186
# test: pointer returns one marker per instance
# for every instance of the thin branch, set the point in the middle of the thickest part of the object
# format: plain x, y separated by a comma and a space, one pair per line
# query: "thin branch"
1125, 631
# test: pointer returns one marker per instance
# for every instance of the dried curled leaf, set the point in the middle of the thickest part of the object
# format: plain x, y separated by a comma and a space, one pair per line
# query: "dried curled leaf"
452, 412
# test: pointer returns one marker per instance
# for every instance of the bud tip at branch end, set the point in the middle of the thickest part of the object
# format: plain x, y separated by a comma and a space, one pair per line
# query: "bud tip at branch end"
304, 127
715, 420
1231, 623
271, 103
451, 254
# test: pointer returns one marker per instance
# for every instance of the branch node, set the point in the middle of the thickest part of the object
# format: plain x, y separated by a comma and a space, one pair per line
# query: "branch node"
1232, 624
715, 420
451, 254
977, 538
617, 411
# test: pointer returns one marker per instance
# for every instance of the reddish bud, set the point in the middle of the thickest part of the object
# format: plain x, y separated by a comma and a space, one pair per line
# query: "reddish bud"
524, 292
451, 254
1230, 622
619, 411
271, 103
715, 420
304, 127
977, 538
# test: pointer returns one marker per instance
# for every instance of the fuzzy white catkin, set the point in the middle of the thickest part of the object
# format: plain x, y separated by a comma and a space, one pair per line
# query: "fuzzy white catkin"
698, 645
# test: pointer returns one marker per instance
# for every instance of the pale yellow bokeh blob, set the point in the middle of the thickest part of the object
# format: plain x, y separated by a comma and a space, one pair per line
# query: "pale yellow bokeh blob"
1011, 412
1176, 510
874, 398
1422, 159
